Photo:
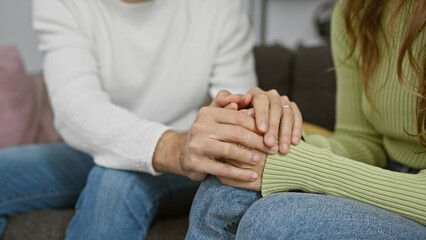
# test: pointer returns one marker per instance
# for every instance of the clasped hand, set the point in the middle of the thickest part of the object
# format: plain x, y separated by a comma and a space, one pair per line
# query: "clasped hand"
233, 145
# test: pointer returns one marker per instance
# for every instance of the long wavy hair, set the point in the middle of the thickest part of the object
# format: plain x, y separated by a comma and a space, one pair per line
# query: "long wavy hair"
363, 19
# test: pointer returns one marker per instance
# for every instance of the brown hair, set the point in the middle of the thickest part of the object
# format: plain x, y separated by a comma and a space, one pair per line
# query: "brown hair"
363, 20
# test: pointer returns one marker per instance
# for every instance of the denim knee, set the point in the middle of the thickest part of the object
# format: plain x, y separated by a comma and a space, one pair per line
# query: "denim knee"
217, 209
110, 189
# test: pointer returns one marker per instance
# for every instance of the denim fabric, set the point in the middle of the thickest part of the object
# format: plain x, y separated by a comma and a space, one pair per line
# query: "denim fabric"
217, 210
314, 216
223, 212
49, 176
114, 204
121, 204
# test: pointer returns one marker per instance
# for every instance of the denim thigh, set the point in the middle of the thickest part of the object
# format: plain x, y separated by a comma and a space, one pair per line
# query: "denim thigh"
44, 176
118, 204
314, 216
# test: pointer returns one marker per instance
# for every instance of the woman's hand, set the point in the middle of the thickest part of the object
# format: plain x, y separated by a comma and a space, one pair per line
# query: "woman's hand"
275, 113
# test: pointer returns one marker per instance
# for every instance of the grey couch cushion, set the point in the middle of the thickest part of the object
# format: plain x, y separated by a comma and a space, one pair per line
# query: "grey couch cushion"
273, 67
314, 85
51, 225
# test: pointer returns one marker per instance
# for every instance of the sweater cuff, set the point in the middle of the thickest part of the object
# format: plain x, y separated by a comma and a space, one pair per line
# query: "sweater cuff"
153, 136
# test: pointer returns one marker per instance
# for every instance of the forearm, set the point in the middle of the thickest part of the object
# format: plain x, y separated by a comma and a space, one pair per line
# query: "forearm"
316, 170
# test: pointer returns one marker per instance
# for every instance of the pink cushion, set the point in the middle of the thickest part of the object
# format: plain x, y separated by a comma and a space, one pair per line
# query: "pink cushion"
25, 113
17, 106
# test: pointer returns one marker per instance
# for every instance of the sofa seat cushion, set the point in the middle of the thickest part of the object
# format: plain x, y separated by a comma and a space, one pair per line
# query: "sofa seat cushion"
52, 224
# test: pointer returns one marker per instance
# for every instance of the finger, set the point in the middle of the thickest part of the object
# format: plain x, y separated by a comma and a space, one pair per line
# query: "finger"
249, 112
242, 136
224, 150
275, 114
245, 101
224, 98
231, 106
219, 169
254, 186
297, 126
286, 130
238, 118
261, 108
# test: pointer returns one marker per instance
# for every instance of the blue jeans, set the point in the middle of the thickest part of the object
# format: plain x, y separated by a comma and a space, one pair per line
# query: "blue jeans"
121, 205
114, 204
223, 212
36, 177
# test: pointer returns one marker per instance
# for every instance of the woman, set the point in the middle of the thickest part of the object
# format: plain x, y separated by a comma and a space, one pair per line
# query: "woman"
366, 181
126, 80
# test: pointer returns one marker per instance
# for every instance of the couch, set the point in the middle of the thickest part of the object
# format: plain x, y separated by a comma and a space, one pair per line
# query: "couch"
305, 75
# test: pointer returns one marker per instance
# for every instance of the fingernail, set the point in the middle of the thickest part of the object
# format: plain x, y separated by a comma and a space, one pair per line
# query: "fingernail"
254, 176
296, 140
274, 149
263, 127
284, 148
251, 112
256, 159
271, 140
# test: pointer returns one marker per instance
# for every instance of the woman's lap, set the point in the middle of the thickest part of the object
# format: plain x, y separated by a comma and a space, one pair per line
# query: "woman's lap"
314, 216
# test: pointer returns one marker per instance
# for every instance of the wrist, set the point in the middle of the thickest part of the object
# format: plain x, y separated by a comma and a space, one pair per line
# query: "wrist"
169, 152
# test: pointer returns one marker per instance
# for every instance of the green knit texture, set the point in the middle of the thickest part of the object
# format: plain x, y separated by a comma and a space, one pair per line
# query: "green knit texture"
350, 163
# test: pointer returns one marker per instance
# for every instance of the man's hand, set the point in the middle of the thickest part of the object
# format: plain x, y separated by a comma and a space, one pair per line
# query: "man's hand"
214, 135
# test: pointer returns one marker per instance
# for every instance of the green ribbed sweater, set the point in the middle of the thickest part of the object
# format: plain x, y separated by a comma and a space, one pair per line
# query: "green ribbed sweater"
350, 163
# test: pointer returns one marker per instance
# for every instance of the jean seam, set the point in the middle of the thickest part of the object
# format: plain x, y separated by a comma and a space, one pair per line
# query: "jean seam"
39, 196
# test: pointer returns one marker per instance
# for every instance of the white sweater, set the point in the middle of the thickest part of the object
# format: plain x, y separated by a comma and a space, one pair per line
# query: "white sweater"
120, 74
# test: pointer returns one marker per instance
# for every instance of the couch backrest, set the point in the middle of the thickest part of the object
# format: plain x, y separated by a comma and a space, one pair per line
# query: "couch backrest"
306, 76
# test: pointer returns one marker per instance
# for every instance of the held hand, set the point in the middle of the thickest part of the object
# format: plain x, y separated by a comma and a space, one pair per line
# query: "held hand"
275, 113
254, 185
212, 136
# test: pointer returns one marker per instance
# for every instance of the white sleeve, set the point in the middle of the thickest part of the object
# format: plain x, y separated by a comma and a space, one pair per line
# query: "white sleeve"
233, 68
84, 115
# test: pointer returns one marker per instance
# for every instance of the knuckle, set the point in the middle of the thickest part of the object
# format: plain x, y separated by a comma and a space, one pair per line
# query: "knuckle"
285, 98
204, 111
262, 96
273, 92
255, 88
